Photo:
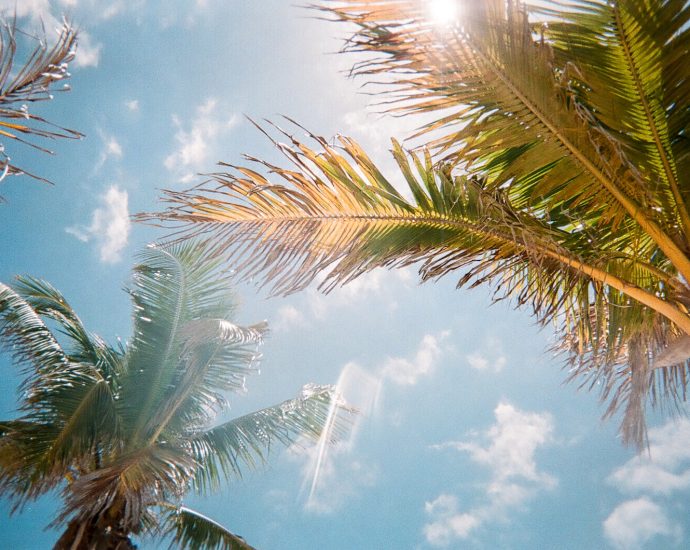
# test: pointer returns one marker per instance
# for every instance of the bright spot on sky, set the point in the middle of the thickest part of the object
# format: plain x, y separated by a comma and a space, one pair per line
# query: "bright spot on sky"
443, 12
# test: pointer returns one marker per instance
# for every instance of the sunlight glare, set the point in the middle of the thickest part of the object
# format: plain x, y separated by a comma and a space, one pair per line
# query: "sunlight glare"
443, 12
360, 390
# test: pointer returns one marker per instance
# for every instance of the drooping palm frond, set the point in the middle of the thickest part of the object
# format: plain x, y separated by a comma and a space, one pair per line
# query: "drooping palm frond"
226, 450
67, 406
337, 214
194, 531
509, 95
42, 72
216, 358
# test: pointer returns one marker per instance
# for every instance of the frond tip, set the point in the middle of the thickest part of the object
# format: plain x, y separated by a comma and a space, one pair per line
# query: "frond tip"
43, 73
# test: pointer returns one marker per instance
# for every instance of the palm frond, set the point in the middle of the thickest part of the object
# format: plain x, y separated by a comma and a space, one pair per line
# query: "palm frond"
172, 287
216, 357
86, 347
43, 73
622, 47
337, 214
227, 449
192, 530
496, 89
27, 338
121, 492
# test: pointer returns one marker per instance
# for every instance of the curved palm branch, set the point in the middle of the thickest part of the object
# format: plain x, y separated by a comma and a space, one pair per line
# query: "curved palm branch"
226, 448
65, 402
192, 530
510, 96
336, 213
43, 72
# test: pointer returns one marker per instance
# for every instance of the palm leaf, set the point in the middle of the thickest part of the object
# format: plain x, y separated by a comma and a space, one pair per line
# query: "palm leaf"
216, 357
244, 441
495, 90
68, 406
42, 73
336, 214
195, 531
172, 287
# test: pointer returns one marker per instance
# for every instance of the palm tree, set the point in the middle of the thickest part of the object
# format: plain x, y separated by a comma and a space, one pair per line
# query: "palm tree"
124, 431
42, 73
556, 168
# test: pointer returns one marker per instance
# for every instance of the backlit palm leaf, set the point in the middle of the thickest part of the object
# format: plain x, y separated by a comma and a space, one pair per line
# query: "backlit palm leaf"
231, 447
192, 530
337, 214
42, 72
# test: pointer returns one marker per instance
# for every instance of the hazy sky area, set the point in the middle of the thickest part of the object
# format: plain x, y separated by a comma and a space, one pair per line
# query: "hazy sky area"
467, 438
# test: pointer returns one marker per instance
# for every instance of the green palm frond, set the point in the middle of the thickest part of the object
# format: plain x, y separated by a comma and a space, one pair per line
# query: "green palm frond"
216, 357
68, 406
84, 346
194, 531
172, 287
26, 336
226, 450
42, 73
497, 90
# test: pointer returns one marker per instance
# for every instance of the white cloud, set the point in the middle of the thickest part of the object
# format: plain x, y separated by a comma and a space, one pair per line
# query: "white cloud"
132, 105
635, 522
407, 372
663, 472
197, 145
449, 524
489, 358
509, 455
109, 227
40, 13
111, 148
665, 469
287, 318
88, 51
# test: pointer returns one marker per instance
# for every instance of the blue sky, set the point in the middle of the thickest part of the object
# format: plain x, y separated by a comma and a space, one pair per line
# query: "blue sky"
468, 438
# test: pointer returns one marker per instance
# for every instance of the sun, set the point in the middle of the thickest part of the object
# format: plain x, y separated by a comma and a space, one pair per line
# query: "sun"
443, 12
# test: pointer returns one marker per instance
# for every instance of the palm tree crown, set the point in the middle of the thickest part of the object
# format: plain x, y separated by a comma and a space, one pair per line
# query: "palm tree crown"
555, 168
125, 431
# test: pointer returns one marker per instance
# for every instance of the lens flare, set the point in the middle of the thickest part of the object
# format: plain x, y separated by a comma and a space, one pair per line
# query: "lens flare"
443, 12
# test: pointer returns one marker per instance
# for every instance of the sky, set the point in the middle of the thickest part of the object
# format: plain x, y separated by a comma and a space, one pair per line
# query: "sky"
468, 437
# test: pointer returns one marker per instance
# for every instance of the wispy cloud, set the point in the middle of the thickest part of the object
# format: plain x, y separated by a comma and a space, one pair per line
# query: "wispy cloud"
110, 148
514, 476
658, 478
633, 523
287, 318
110, 226
405, 371
488, 358
197, 140
88, 51
378, 288
132, 105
